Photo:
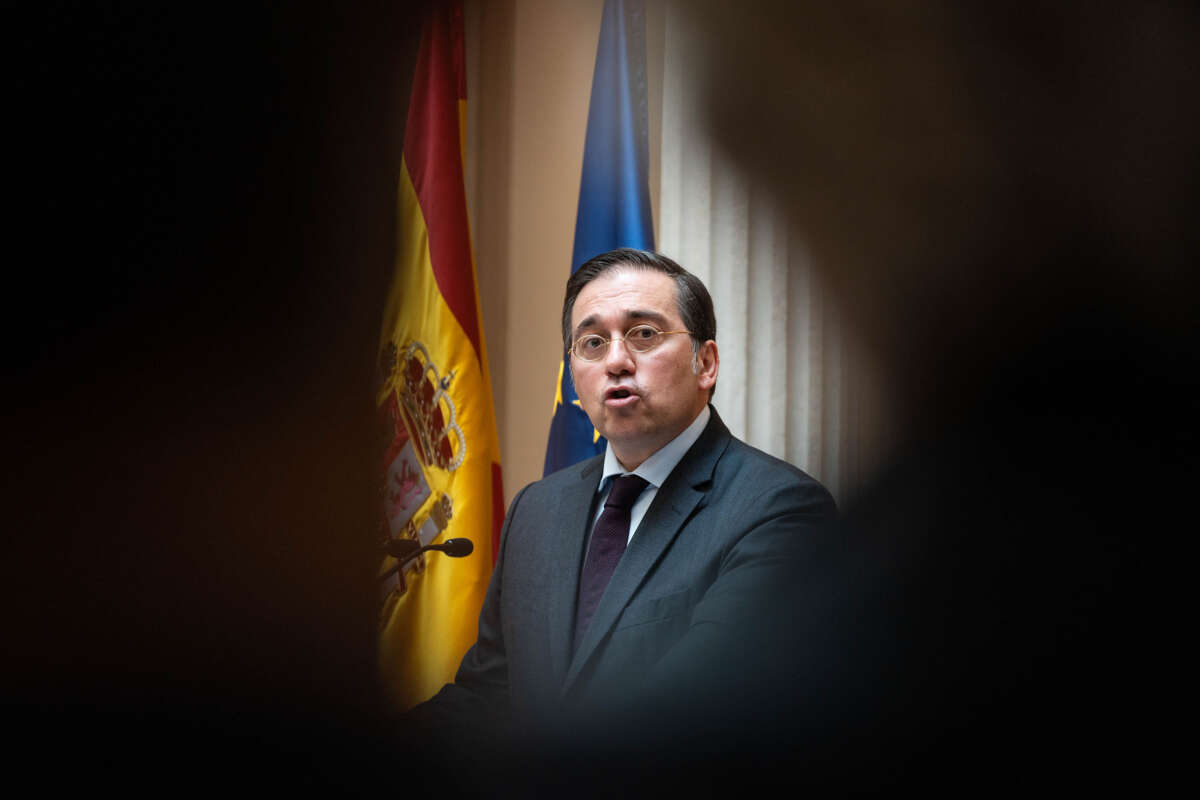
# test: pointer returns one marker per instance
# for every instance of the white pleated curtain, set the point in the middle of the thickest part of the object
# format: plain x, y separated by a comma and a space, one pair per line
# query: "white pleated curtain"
788, 383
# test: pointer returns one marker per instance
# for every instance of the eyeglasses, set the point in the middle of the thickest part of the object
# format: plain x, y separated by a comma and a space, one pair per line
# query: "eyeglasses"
638, 339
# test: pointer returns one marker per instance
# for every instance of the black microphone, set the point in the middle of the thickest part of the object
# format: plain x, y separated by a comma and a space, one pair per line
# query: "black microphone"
455, 548
405, 550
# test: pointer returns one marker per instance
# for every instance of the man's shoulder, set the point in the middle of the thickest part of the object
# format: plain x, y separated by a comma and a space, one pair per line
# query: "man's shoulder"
747, 462
744, 468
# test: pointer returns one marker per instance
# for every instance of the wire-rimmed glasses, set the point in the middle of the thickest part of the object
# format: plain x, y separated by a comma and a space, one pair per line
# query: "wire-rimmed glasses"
638, 339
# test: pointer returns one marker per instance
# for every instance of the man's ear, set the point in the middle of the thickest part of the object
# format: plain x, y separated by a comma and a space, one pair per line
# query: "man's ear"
708, 362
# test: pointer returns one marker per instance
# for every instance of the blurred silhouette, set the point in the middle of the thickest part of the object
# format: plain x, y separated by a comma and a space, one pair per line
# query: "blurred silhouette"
1002, 199
205, 218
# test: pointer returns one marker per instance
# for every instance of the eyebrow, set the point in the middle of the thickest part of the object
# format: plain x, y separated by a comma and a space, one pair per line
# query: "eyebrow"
636, 314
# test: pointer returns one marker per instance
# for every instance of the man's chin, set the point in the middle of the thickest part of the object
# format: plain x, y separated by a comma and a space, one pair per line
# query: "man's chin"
622, 427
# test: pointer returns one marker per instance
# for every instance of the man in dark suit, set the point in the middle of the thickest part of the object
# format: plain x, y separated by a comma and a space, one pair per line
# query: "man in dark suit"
715, 528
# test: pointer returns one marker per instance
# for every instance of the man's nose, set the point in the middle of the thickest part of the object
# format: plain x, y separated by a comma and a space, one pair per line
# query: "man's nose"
619, 358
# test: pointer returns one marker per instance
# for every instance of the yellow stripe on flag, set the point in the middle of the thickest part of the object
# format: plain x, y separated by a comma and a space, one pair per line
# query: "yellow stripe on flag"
426, 629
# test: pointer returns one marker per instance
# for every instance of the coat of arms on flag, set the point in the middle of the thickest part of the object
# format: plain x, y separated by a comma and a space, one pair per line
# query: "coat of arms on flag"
420, 435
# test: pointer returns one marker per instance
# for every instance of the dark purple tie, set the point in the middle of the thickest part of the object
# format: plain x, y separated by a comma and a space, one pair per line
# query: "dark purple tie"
608, 544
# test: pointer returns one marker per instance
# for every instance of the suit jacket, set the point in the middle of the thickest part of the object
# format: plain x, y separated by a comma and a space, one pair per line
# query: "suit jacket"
724, 533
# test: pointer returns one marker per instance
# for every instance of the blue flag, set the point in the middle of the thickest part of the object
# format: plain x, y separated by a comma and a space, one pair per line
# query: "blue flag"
614, 195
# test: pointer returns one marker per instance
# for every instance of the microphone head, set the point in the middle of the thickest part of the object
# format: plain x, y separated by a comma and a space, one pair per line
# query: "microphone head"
457, 548
401, 548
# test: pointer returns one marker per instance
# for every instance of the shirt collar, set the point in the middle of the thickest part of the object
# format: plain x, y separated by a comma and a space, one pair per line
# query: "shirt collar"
658, 466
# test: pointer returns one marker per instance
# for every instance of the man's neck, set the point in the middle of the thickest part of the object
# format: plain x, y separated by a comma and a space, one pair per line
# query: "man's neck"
630, 463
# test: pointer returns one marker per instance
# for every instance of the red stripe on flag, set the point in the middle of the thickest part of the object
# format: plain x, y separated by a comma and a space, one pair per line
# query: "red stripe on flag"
497, 510
432, 152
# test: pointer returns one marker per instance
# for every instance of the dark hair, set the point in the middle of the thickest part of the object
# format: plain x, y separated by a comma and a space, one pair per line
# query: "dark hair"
695, 304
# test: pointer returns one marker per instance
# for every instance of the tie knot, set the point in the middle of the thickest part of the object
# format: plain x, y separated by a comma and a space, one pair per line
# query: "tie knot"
625, 491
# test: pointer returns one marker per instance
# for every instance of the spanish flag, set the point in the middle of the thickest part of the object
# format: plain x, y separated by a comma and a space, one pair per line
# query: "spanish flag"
439, 468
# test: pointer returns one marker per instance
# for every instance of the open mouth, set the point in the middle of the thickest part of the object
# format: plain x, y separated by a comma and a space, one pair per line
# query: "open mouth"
619, 396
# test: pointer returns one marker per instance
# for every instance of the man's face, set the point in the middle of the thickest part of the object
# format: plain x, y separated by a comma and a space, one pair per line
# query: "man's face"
638, 401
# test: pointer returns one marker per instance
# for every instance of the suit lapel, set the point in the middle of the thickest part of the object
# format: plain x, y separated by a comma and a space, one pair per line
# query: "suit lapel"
570, 527
678, 497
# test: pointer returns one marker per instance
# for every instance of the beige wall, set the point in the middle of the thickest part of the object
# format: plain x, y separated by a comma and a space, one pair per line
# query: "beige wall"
530, 66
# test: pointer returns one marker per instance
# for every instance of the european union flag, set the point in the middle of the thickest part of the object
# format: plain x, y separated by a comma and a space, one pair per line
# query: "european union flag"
614, 195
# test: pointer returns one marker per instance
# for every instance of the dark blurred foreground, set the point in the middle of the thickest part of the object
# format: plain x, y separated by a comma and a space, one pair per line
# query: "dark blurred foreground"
1003, 201
204, 232
204, 237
